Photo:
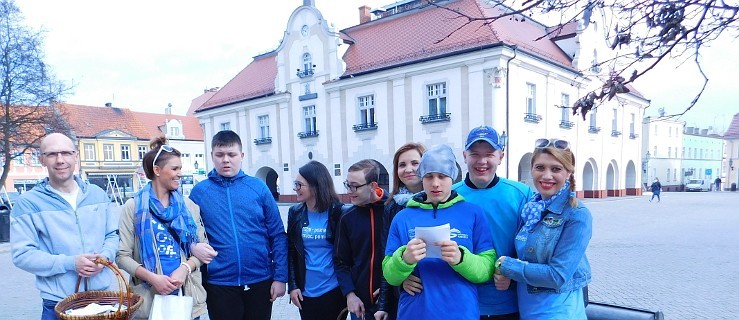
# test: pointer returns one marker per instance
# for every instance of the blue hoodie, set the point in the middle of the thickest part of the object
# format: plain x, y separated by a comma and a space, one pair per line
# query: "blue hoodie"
245, 228
46, 235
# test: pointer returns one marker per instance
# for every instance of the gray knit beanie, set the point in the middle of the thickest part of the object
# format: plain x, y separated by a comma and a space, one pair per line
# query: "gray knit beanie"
440, 159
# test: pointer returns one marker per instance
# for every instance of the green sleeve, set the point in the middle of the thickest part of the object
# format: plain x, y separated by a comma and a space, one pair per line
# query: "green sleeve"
395, 269
477, 268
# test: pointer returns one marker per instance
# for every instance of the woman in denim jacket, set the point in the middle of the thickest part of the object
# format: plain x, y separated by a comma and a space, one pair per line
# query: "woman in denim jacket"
551, 269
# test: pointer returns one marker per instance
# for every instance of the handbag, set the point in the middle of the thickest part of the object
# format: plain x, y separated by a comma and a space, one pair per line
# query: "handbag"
171, 307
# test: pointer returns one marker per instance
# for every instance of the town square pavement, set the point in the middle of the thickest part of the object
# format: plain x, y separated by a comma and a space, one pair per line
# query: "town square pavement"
679, 256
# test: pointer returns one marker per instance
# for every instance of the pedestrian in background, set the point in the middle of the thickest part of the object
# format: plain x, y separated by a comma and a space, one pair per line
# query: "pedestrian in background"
162, 234
311, 230
718, 183
61, 226
551, 269
656, 188
449, 280
245, 228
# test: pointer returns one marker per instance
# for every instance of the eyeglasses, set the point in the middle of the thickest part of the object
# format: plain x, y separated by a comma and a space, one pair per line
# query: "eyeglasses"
297, 185
54, 155
353, 188
556, 143
164, 147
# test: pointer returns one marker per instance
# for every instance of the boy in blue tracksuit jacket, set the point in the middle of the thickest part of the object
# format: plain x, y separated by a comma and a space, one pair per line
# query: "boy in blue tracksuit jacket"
245, 228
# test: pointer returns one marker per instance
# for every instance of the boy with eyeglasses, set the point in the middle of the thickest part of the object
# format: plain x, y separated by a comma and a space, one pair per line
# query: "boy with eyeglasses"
359, 244
61, 226
245, 228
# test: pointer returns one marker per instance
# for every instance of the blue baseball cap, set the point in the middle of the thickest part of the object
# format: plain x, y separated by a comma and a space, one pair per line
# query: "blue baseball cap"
483, 133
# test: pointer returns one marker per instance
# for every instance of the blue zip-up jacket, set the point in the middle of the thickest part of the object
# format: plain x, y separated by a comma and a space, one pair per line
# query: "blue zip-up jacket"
245, 228
554, 258
46, 235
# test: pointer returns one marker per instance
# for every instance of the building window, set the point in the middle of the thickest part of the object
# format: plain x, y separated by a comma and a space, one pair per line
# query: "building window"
593, 124
309, 123
89, 151
565, 123
668, 175
654, 152
263, 137
366, 105
142, 152
307, 66
108, 152
632, 125
285, 167
669, 152
225, 126
125, 152
198, 155
436, 97
185, 155
20, 158
674, 175
655, 130
35, 158
531, 98
614, 124
174, 131
337, 169
683, 156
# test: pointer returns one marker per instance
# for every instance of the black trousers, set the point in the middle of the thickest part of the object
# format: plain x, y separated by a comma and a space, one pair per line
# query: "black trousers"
326, 307
235, 303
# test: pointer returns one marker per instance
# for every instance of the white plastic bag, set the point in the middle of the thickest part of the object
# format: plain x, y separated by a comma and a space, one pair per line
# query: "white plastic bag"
170, 307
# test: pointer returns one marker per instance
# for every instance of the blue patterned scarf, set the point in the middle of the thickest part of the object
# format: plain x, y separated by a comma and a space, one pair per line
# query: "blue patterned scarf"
403, 195
176, 216
531, 213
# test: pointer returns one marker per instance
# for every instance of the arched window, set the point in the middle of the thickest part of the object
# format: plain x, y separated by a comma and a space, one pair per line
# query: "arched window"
307, 61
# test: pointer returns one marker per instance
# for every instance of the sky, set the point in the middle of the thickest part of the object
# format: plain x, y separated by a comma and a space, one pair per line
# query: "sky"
144, 55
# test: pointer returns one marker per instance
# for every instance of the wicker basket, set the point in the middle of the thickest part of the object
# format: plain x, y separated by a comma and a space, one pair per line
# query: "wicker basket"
81, 299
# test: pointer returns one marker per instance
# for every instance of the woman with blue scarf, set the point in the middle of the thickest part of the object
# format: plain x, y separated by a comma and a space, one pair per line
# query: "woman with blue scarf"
551, 269
163, 241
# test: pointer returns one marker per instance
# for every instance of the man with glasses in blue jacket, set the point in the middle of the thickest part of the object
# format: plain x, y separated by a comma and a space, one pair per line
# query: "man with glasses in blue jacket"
61, 226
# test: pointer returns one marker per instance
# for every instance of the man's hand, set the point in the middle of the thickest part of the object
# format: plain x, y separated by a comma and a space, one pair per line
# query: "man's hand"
296, 296
412, 285
85, 266
380, 315
203, 251
277, 290
415, 250
355, 305
450, 252
501, 282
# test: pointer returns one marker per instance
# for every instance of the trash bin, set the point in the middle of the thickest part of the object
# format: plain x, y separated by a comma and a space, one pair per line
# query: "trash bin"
733, 186
4, 224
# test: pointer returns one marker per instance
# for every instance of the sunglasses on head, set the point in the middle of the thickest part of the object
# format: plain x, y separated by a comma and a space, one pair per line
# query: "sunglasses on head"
164, 147
556, 143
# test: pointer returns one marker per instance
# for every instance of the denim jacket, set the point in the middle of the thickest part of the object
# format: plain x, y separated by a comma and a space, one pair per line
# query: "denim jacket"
554, 260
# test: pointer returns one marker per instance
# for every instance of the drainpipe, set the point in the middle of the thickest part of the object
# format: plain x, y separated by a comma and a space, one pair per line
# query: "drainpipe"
507, 107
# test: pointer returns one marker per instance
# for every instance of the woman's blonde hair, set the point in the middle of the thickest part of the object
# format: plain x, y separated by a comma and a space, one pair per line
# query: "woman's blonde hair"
567, 159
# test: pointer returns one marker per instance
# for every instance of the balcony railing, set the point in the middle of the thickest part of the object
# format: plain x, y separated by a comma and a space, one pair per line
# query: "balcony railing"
439, 117
633, 136
615, 133
304, 73
265, 140
307, 134
365, 126
531, 117
593, 129
564, 124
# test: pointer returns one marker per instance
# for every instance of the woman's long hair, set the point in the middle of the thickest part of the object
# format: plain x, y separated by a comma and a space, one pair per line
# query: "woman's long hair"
319, 179
396, 158
566, 158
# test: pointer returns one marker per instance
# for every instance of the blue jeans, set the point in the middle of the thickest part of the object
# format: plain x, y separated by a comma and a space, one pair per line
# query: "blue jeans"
47, 311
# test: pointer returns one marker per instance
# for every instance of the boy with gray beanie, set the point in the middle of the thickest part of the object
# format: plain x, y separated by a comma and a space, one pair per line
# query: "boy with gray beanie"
450, 281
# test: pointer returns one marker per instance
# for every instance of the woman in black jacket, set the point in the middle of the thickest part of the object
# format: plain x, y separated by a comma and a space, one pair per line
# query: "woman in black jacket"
312, 281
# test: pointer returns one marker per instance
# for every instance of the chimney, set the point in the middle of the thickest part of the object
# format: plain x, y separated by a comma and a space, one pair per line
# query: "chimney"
364, 14
109, 104
168, 109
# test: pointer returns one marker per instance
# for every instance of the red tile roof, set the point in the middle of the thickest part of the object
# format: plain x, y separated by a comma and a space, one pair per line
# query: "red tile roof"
89, 121
431, 32
733, 131
154, 121
197, 102
256, 80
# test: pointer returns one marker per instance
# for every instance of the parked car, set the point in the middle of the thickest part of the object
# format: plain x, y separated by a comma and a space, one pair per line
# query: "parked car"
697, 185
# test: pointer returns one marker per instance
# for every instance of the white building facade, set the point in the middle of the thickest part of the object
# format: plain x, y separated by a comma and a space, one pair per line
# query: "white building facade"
702, 155
307, 101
